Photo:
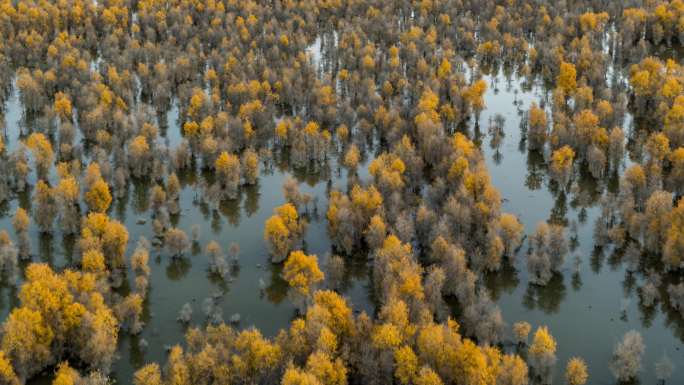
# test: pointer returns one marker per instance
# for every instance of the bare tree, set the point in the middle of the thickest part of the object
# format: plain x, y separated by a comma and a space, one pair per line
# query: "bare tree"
176, 242
626, 362
185, 314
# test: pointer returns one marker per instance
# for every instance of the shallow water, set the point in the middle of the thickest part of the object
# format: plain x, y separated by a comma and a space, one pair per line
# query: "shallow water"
583, 311
188, 280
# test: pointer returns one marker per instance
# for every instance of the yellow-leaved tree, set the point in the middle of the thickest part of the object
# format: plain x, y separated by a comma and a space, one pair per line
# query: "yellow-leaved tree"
567, 78
542, 352
302, 273
98, 198
42, 152
576, 372
283, 230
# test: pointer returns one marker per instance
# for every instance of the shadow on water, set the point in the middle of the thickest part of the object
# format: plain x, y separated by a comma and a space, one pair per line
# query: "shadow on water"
581, 305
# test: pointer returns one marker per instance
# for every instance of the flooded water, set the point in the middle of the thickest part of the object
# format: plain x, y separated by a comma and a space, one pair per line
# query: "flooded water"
176, 282
582, 308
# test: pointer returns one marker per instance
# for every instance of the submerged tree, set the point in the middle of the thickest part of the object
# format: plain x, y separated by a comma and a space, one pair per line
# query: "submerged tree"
45, 207
511, 233
9, 265
177, 242
561, 165
537, 129
283, 230
228, 172
542, 354
576, 372
42, 152
21, 223
302, 274
673, 250
521, 331
512, 371
98, 198
626, 361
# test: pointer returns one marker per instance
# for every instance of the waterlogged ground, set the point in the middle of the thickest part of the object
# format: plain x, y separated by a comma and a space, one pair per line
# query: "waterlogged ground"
587, 309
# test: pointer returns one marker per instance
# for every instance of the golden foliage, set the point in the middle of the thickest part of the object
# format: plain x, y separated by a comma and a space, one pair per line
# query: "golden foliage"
301, 272
543, 342
98, 197
567, 78
576, 372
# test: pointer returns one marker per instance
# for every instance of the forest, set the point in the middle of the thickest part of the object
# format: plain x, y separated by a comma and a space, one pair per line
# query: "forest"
332, 192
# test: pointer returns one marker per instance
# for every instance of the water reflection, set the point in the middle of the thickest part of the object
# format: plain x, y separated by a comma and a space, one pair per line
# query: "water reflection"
504, 281
586, 316
546, 298
256, 288
178, 268
536, 170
